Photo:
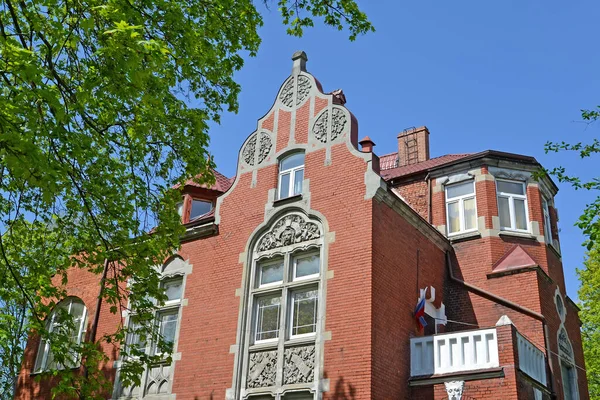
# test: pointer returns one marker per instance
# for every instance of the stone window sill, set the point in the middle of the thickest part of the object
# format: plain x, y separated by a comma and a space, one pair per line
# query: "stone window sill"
554, 250
464, 236
521, 235
287, 200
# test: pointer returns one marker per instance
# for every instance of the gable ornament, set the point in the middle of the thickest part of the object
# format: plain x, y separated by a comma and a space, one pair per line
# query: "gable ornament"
290, 229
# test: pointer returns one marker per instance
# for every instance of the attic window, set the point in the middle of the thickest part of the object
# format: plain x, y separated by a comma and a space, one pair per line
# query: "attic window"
199, 208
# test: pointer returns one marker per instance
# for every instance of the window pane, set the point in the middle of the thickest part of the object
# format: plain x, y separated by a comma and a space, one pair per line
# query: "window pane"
520, 218
510, 187
567, 377
470, 214
168, 325
173, 289
504, 212
133, 339
284, 186
271, 273
298, 178
459, 189
267, 320
180, 208
453, 217
200, 207
307, 265
293, 161
304, 312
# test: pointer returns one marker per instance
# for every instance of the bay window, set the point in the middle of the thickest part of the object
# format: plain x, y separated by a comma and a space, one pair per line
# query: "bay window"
461, 208
512, 205
291, 175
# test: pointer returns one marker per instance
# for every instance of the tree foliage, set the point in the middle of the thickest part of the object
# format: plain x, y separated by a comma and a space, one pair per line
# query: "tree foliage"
104, 107
589, 296
589, 223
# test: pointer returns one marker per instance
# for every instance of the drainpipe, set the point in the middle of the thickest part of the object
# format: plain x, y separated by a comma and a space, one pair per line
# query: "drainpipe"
507, 303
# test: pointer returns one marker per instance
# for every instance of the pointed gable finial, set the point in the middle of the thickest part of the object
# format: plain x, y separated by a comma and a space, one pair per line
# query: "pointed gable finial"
299, 64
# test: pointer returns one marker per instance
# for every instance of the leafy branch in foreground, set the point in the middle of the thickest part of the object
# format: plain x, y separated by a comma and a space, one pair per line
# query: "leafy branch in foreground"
104, 107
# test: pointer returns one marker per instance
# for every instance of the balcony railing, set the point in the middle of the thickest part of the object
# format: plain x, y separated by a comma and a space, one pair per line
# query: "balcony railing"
532, 360
454, 352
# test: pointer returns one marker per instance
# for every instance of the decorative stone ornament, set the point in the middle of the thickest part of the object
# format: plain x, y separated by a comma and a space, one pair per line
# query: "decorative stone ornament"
286, 96
299, 365
454, 389
262, 369
564, 344
338, 125
265, 144
289, 230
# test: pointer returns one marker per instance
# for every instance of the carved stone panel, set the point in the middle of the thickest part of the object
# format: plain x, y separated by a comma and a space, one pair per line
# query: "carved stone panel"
338, 124
265, 146
249, 150
299, 365
159, 377
287, 93
304, 86
289, 230
262, 369
564, 344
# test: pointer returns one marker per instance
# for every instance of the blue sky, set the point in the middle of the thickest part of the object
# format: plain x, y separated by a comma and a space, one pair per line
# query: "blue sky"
505, 75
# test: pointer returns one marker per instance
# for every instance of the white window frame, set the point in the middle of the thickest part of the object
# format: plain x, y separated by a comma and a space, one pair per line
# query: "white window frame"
511, 206
255, 330
170, 306
461, 208
50, 326
292, 308
547, 221
264, 263
292, 172
285, 290
295, 257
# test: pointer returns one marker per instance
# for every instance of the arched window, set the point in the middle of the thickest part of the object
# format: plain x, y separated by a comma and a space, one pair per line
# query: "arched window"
291, 175
58, 323
284, 309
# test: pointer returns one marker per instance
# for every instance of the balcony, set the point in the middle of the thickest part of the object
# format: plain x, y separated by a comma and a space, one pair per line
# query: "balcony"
532, 360
454, 352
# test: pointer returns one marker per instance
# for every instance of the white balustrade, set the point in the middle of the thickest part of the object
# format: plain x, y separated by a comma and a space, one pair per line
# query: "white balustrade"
454, 352
532, 360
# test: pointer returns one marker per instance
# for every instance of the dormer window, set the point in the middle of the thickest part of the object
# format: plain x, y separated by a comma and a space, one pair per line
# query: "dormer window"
512, 205
199, 208
291, 175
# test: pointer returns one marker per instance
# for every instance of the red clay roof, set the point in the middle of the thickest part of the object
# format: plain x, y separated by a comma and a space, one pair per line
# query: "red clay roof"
222, 183
390, 170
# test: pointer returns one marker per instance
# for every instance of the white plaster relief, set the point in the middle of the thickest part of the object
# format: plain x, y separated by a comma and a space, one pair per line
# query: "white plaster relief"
454, 389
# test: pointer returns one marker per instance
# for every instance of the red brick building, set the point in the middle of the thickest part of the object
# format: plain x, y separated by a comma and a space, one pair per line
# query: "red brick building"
299, 278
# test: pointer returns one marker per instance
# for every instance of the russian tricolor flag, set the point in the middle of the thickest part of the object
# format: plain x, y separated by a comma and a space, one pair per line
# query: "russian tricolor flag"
420, 313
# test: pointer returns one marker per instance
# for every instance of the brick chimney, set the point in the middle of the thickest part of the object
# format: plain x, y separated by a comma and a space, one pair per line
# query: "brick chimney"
413, 146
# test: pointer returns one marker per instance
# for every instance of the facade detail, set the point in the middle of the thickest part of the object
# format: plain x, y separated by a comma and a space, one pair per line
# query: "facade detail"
454, 389
289, 230
262, 369
324, 271
299, 365
338, 125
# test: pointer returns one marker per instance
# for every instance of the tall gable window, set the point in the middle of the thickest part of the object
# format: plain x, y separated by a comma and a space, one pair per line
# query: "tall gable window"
68, 318
285, 285
512, 205
156, 379
461, 209
547, 222
291, 175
